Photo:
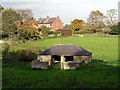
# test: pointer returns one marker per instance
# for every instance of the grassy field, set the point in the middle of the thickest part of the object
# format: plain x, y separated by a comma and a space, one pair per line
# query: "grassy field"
102, 72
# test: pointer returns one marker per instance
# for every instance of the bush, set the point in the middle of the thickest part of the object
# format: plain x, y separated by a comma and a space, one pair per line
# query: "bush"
28, 55
36, 38
5, 52
56, 66
56, 33
115, 30
83, 32
50, 32
19, 55
45, 31
10, 56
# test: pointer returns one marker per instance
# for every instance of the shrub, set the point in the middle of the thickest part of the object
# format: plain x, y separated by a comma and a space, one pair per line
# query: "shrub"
36, 38
56, 33
19, 55
56, 66
45, 31
28, 55
83, 32
115, 30
5, 52
50, 32
10, 56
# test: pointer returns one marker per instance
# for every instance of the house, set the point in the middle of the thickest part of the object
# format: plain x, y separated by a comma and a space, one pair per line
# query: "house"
51, 22
69, 56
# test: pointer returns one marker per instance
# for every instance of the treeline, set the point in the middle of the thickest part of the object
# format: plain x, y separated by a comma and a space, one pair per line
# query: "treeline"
97, 22
18, 24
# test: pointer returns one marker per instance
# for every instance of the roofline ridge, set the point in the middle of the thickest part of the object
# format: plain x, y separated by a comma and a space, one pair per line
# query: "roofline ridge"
46, 20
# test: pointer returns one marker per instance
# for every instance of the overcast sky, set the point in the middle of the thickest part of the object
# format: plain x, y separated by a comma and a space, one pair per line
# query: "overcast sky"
66, 9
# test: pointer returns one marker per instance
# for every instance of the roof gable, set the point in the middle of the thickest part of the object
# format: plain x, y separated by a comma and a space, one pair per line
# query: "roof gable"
50, 20
47, 20
42, 20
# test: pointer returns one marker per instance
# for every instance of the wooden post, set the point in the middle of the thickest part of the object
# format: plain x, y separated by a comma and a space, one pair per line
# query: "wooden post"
62, 62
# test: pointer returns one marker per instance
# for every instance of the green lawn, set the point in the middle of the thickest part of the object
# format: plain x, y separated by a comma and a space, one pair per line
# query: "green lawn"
102, 72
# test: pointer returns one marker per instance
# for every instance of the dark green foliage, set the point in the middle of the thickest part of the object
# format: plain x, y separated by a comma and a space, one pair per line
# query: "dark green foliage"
119, 27
57, 33
36, 37
21, 35
56, 66
19, 55
50, 32
1, 8
5, 52
45, 31
115, 29
9, 17
10, 56
83, 32
28, 55
17, 24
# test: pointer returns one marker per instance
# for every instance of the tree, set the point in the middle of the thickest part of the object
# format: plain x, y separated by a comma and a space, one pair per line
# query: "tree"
115, 29
1, 8
77, 24
44, 30
26, 14
26, 30
9, 17
95, 20
112, 17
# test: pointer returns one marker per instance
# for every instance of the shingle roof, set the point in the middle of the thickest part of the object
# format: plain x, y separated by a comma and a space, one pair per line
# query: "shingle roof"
47, 20
66, 50
50, 20
42, 20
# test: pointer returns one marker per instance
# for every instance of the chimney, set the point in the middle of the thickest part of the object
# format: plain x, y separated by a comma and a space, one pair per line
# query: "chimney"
57, 16
47, 17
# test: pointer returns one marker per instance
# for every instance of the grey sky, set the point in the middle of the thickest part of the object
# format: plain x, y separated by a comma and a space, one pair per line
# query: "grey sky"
66, 9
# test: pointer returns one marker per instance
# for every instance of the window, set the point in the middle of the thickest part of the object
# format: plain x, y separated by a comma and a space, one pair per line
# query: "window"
68, 58
56, 58
50, 24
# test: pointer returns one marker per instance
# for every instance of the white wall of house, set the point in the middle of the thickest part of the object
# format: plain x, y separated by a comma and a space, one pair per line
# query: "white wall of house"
47, 25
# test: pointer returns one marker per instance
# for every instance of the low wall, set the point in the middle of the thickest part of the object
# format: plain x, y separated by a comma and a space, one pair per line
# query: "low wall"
45, 58
84, 59
71, 65
67, 64
36, 64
